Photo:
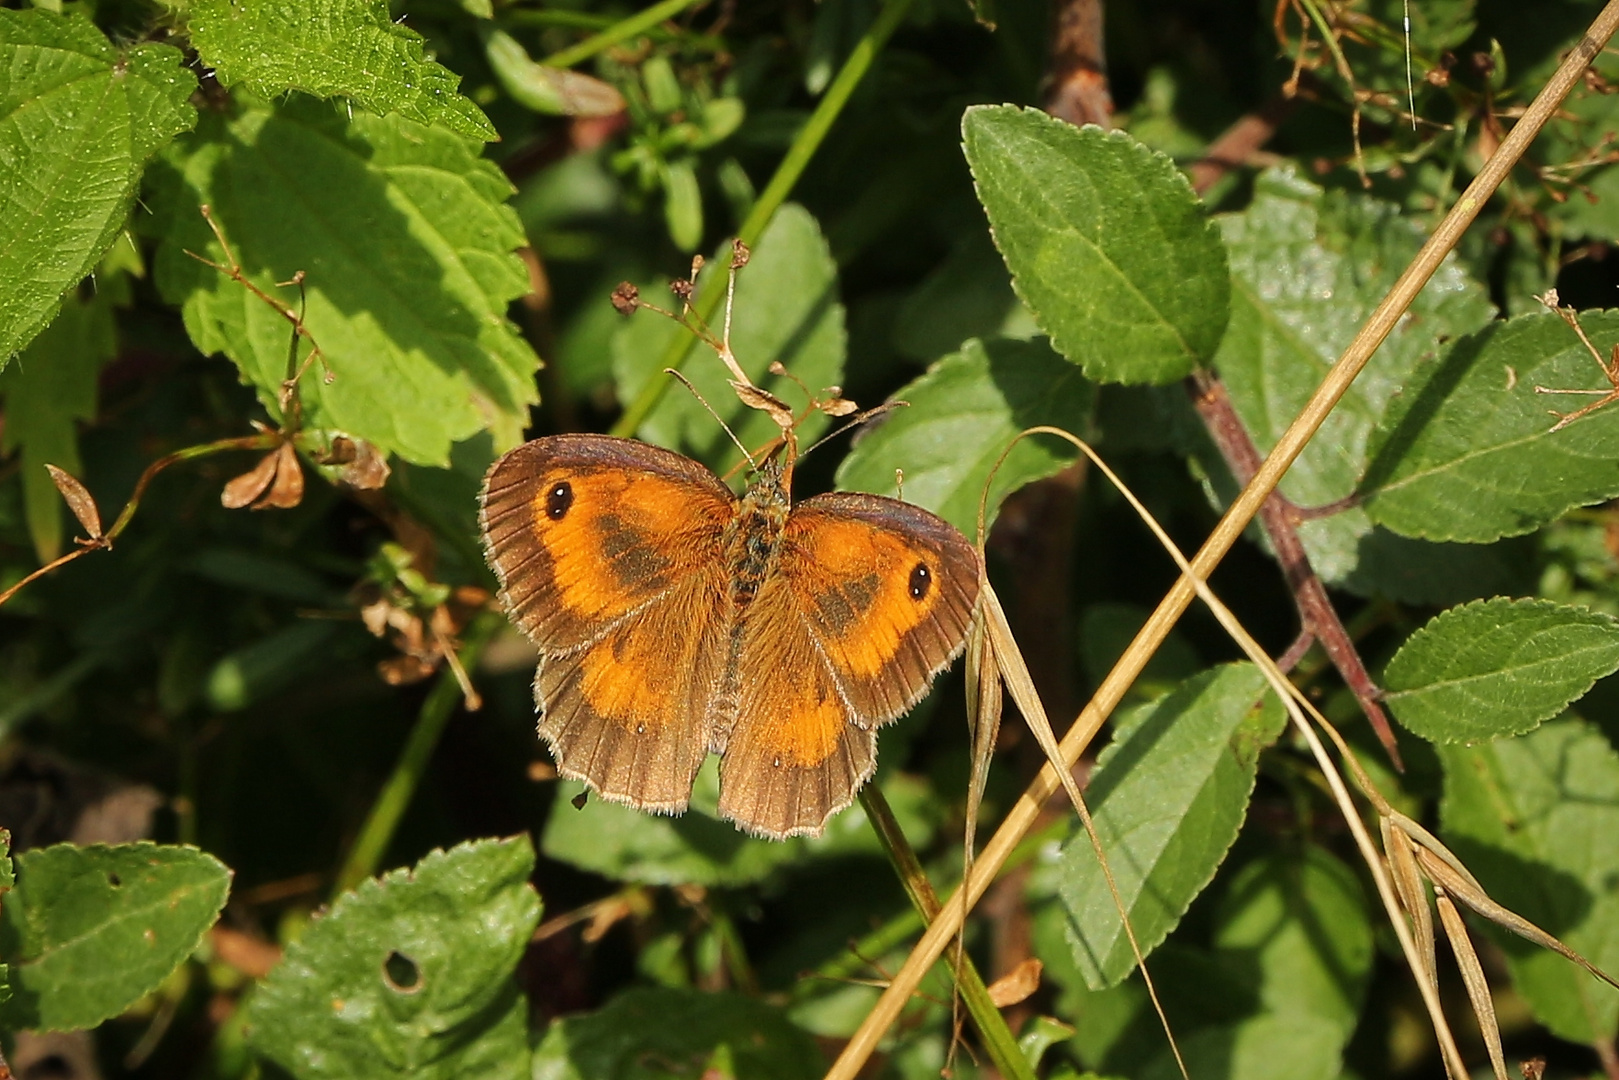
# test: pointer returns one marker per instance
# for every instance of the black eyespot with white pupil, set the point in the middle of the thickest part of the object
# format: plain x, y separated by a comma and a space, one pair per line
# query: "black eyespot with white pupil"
558, 500
921, 581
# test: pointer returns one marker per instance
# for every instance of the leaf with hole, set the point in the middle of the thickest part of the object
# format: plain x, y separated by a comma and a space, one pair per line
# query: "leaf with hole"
1107, 244
88, 931
1498, 667
410, 974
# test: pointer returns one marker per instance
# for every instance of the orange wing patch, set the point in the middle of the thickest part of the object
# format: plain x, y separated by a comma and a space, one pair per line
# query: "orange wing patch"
887, 591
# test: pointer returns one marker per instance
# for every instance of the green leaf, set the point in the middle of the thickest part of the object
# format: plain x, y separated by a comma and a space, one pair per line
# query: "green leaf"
963, 414
643, 1034
406, 244
1467, 452
329, 48
1168, 796
1266, 1047
1536, 818
1307, 268
78, 120
1298, 928
548, 90
698, 847
1498, 667
8, 881
786, 310
682, 204
1107, 244
89, 931
410, 974
49, 387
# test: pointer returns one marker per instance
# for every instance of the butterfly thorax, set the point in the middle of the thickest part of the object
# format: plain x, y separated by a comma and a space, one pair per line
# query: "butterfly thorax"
752, 536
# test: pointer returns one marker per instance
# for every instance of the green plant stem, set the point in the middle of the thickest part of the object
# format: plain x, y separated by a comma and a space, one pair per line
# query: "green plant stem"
616, 33
999, 1041
792, 166
378, 831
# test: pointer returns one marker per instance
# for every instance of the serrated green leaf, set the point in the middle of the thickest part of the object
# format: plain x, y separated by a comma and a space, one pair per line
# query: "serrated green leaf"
786, 310
410, 974
1168, 796
1498, 667
1467, 452
644, 1033
330, 48
963, 414
1298, 927
46, 389
406, 243
1536, 819
1107, 244
698, 847
1307, 268
88, 931
79, 119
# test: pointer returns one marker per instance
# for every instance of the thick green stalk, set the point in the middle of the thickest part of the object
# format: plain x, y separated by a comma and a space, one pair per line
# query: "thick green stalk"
999, 1041
809, 139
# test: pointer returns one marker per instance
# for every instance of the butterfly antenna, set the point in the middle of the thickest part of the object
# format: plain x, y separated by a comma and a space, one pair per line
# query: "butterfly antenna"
855, 421
752, 463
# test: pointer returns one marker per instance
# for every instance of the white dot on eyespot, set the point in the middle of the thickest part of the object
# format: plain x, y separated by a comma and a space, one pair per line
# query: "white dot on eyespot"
777, 763
640, 729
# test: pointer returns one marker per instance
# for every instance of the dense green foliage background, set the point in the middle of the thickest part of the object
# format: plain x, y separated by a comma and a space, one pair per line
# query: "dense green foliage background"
458, 187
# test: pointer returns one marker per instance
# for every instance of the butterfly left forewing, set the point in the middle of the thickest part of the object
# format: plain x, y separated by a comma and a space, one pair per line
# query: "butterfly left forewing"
887, 591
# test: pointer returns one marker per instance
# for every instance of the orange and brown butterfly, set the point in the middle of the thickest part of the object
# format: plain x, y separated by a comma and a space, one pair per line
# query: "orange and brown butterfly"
675, 619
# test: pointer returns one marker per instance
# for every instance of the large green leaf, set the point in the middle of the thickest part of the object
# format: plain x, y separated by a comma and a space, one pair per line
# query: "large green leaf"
962, 415
1307, 267
88, 931
1536, 818
649, 1034
410, 974
348, 48
1107, 244
786, 311
406, 244
1498, 667
1297, 928
1168, 796
1467, 451
78, 120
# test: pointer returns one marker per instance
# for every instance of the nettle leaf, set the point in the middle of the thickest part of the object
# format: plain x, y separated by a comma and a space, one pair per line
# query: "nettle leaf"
348, 48
1536, 819
1307, 268
648, 1032
962, 414
1297, 925
1498, 667
410, 974
79, 118
786, 310
49, 387
700, 848
1168, 796
1467, 452
1107, 244
89, 931
406, 243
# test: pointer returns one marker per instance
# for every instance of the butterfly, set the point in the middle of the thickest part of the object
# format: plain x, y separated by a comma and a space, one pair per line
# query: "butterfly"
675, 619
